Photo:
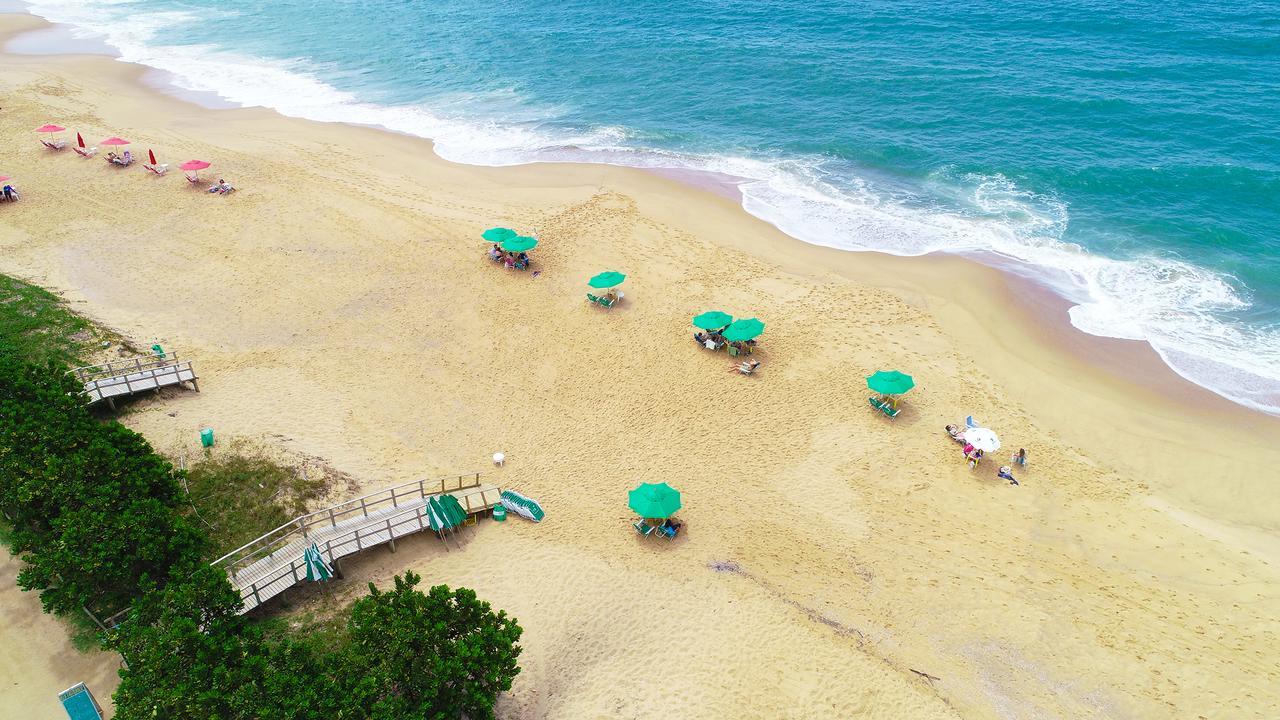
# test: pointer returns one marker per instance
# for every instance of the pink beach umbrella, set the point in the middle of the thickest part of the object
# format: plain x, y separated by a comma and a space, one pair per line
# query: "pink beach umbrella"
193, 168
51, 130
115, 141
3, 178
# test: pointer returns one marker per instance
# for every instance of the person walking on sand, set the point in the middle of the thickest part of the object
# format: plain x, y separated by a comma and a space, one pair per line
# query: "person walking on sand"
1006, 473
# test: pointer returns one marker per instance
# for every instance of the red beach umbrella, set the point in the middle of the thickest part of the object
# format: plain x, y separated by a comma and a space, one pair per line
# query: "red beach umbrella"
151, 154
114, 141
50, 129
79, 140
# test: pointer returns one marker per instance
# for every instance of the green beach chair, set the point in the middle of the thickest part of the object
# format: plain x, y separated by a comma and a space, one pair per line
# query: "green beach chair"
876, 403
890, 410
642, 527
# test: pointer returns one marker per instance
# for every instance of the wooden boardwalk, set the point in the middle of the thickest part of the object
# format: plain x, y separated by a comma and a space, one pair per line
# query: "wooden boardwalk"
271, 564
126, 377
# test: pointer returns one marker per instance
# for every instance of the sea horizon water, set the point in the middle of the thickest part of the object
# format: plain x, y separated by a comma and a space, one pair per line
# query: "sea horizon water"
1126, 157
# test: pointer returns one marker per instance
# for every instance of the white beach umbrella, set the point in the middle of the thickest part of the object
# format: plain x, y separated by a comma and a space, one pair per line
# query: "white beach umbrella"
983, 439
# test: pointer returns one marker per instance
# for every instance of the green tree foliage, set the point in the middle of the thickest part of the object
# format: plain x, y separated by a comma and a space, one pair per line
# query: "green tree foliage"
440, 655
90, 505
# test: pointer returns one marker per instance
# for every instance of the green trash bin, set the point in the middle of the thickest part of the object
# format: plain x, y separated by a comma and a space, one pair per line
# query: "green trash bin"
206, 437
499, 513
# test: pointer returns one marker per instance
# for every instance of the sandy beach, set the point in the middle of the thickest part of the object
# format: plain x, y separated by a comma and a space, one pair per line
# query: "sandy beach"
340, 306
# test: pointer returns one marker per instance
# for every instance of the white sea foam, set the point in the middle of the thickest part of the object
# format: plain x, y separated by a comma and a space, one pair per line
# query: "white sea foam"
1185, 312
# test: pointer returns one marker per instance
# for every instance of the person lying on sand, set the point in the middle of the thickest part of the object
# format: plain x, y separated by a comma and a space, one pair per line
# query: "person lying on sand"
1006, 473
956, 433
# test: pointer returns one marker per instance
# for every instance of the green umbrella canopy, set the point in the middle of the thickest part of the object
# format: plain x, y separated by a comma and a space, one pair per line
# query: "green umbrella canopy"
712, 320
453, 508
654, 500
607, 279
743, 330
890, 382
437, 515
519, 244
497, 235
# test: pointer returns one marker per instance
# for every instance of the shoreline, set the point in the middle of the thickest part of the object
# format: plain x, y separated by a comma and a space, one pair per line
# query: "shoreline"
1051, 303
872, 527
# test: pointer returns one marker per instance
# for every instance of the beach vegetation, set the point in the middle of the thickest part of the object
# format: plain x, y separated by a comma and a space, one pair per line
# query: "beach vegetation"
104, 523
402, 653
38, 327
238, 497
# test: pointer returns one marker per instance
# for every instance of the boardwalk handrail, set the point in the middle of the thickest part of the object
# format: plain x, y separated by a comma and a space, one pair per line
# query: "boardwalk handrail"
116, 368
282, 536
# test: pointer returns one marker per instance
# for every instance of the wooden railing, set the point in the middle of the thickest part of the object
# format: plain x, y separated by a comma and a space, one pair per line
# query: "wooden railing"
300, 528
137, 374
116, 368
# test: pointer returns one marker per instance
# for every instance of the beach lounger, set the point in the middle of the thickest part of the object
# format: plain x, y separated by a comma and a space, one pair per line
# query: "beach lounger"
642, 527
157, 169
54, 144
876, 403
746, 367
86, 152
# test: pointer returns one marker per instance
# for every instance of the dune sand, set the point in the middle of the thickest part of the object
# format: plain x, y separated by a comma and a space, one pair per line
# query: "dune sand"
340, 306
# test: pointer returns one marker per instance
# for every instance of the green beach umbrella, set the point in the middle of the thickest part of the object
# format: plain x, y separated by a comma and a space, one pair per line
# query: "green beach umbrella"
743, 330
497, 235
519, 243
454, 509
712, 320
607, 279
438, 517
890, 382
654, 500
317, 568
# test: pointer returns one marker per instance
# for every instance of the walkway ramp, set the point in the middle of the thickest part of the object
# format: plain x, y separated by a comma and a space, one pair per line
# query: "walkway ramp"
269, 565
127, 377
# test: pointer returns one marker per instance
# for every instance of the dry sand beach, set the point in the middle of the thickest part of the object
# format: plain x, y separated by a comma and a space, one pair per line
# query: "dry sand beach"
340, 306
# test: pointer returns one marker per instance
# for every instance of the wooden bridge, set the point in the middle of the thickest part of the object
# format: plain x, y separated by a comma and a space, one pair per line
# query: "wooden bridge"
126, 377
271, 564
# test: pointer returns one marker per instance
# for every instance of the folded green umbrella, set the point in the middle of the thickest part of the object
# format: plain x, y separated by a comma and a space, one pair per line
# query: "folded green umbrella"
497, 235
607, 279
890, 382
654, 500
743, 330
317, 567
712, 320
519, 244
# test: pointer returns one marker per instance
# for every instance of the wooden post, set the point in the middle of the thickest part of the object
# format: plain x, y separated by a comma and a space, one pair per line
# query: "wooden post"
94, 618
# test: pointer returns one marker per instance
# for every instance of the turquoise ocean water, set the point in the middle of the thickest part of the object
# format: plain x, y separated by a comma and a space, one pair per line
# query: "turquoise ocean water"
1125, 154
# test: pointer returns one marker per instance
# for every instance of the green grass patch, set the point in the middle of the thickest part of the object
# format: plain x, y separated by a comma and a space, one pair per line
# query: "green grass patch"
38, 326
237, 498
